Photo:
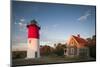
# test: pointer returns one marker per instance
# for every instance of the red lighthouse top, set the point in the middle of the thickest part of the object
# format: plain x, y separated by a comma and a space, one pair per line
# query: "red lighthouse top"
33, 29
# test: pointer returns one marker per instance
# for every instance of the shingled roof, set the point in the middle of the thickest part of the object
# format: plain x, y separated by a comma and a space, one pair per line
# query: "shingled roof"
80, 40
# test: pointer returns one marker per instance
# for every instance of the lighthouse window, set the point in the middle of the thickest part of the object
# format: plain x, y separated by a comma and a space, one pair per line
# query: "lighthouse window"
29, 41
65, 51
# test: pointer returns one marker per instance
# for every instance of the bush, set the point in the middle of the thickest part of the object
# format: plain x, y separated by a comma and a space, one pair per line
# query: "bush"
18, 54
93, 51
59, 50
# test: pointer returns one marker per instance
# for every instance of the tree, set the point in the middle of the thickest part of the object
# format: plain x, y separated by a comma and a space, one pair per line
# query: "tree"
19, 54
59, 50
94, 37
46, 50
92, 46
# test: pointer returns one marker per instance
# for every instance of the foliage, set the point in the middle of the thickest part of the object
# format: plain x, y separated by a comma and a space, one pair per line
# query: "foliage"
92, 46
46, 50
18, 54
93, 51
59, 49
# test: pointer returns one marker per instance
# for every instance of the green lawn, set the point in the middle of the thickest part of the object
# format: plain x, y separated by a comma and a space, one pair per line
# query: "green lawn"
50, 59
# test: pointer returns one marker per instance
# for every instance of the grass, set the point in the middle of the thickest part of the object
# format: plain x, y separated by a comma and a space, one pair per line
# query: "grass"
49, 60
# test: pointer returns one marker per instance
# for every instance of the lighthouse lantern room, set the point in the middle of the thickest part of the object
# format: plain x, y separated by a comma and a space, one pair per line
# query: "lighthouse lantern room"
33, 40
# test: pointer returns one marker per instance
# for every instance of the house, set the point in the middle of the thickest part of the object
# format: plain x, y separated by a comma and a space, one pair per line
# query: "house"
76, 46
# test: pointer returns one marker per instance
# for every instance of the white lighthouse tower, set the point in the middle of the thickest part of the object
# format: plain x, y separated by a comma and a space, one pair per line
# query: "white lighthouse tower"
33, 40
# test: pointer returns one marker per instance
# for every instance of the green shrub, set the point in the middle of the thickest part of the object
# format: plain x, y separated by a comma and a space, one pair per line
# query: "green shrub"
18, 54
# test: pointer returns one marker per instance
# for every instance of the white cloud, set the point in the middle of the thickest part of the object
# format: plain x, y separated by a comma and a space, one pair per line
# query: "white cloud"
21, 24
51, 43
55, 25
84, 17
15, 23
22, 19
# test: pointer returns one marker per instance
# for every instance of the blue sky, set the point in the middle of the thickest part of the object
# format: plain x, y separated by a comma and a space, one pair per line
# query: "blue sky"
57, 21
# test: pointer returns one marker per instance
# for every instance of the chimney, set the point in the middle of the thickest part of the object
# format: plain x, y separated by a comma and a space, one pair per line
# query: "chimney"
78, 35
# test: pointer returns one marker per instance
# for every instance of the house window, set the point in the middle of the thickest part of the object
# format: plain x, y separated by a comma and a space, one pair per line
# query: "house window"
72, 43
72, 51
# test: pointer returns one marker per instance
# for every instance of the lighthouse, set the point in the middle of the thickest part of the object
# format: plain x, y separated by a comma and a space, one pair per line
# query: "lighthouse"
33, 40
